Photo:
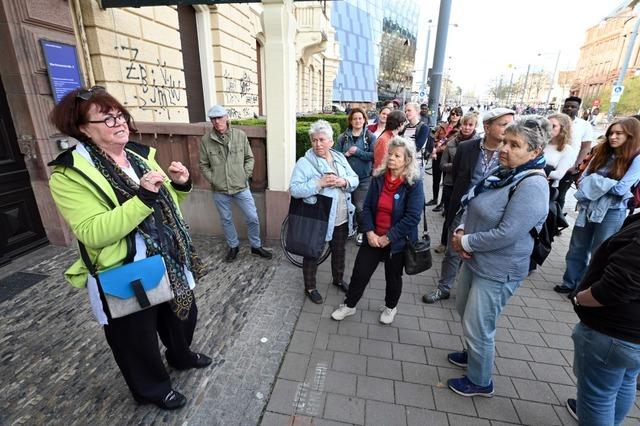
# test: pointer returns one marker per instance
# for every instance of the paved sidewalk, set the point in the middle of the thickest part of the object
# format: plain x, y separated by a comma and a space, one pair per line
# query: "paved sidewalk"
57, 367
359, 371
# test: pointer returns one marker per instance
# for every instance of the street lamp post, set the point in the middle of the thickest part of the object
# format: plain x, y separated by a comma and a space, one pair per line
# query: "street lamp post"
426, 56
438, 60
553, 78
625, 64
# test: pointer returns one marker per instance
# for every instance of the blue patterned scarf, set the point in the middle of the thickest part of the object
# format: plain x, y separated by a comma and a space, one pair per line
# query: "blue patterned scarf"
502, 176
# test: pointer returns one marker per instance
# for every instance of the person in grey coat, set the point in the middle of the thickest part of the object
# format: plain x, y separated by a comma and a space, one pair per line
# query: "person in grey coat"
494, 242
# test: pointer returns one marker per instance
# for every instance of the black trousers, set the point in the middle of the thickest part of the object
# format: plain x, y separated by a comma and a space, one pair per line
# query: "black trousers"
446, 197
338, 249
436, 174
134, 342
563, 186
366, 264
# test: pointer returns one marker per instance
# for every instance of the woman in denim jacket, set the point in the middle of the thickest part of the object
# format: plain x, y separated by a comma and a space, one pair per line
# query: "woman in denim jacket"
323, 170
603, 192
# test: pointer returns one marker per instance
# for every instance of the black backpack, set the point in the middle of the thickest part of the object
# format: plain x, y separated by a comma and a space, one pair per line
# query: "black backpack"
551, 227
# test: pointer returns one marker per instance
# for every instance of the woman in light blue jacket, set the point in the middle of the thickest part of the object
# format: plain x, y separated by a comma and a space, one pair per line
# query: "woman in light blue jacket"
323, 170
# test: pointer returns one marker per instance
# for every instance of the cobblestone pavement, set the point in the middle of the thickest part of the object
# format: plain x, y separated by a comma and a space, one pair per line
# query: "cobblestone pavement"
57, 367
359, 371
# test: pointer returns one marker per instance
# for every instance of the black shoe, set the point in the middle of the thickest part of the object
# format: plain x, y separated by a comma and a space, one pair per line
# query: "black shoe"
431, 203
231, 254
434, 296
571, 407
438, 208
171, 401
199, 361
562, 289
260, 251
341, 285
314, 295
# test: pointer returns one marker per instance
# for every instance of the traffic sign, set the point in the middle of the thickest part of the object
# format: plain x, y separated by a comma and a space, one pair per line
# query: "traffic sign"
422, 94
616, 93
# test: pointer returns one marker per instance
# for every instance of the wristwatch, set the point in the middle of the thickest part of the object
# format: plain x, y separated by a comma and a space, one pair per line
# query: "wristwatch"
575, 300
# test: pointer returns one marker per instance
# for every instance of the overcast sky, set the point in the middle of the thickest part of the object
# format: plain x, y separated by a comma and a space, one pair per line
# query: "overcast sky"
492, 34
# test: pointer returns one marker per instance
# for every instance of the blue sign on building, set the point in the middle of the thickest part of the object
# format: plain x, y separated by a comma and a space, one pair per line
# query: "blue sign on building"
62, 67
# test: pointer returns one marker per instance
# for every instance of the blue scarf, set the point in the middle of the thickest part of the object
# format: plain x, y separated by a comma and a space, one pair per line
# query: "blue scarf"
501, 177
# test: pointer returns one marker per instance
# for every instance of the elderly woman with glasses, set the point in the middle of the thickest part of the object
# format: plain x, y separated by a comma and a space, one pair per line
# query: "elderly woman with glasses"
323, 170
122, 207
494, 240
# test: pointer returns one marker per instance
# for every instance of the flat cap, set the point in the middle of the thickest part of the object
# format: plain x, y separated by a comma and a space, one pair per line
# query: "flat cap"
496, 113
216, 111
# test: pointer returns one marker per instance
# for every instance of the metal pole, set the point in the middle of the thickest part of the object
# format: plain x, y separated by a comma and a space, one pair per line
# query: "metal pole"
524, 88
553, 78
625, 65
510, 89
426, 57
438, 58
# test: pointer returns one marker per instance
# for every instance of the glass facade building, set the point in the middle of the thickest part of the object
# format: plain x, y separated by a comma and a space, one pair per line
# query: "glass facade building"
377, 41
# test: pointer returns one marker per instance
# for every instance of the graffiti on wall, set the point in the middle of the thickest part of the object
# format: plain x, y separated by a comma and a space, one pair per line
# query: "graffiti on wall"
239, 100
160, 89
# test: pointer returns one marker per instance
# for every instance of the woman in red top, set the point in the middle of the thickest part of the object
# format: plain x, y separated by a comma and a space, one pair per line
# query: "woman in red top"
390, 216
396, 121
379, 126
444, 131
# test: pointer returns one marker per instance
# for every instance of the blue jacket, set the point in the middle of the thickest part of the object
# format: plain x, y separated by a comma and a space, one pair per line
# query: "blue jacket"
304, 183
405, 216
362, 160
594, 201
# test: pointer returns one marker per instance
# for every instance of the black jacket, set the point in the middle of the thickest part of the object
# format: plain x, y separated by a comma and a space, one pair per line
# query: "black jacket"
614, 278
464, 164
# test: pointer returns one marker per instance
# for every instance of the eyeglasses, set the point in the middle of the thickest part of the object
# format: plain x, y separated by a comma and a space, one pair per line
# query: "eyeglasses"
85, 94
454, 113
112, 120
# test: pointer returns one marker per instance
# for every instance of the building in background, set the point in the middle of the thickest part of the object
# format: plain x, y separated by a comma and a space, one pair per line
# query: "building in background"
377, 42
602, 54
168, 65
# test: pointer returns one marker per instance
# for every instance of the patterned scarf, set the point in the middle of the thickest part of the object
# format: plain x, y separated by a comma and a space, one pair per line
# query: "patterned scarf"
170, 238
501, 177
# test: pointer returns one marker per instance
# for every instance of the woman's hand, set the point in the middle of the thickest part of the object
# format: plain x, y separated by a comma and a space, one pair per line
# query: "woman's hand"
384, 241
327, 180
178, 173
373, 239
152, 181
351, 151
456, 244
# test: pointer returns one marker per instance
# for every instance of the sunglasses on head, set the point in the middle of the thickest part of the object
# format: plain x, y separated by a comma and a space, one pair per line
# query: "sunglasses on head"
85, 94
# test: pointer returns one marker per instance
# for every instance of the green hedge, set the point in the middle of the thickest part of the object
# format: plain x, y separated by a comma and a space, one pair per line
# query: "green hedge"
303, 143
339, 119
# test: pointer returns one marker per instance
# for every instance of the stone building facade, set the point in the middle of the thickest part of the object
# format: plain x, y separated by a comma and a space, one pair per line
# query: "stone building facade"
602, 54
168, 65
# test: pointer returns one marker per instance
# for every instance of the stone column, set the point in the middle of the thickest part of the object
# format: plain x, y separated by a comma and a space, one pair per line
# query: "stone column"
279, 29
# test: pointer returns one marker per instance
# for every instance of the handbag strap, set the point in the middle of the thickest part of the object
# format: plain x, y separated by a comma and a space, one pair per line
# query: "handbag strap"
425, 231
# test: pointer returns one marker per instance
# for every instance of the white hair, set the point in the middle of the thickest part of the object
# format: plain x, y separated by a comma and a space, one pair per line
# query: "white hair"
321, 126
411, 170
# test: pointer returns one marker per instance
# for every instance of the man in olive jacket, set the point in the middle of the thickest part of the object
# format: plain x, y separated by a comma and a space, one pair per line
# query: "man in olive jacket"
226, 161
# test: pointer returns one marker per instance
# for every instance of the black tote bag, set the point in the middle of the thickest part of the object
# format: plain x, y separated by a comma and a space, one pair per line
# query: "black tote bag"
307, 227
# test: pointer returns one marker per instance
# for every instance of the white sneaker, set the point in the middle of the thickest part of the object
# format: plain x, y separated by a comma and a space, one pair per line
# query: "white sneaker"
342, 312
387, 315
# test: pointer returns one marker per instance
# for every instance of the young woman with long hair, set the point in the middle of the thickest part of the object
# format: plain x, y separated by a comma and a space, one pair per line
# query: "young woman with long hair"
603, 192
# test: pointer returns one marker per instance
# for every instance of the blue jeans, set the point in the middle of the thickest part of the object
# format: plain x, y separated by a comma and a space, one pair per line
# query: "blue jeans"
479, 302
244, 200
606, 369
451, 261
585, 240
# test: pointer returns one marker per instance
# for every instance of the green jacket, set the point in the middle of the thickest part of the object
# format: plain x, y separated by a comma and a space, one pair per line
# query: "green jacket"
93, 212
226, 161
